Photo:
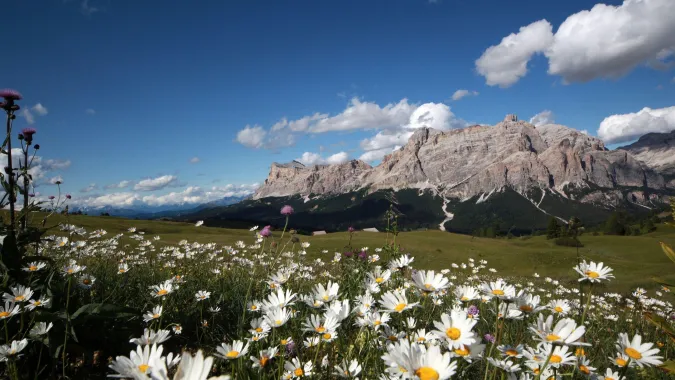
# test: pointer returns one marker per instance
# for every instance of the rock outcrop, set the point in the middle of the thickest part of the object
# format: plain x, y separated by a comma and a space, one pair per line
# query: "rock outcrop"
476, 160
656, 150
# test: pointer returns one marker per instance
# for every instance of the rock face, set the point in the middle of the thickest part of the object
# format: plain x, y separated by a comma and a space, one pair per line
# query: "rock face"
656, 150
478, 160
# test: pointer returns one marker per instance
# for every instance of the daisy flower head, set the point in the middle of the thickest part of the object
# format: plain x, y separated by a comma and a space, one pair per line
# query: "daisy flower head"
202, 295
153, 315
11, 351
146, 360
565, 332
429, 281
298, 369
499, 289
199, 223
348, 369
642, 354
264, 357
163, 289
151, 337
456, 329
232, 351
594, 272
19, 294
40, 329
396, 302
34, 266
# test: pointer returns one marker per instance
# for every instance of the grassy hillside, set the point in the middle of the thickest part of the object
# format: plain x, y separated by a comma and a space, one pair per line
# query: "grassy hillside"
635, 259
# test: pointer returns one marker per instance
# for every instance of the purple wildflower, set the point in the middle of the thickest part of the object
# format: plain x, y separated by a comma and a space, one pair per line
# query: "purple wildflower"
51, 197
363, 255
68, 196
10, 95
489, 338
31, 195
473, 310
350, 229
28, 134
290, 349
266, 231
348, 254
286, 210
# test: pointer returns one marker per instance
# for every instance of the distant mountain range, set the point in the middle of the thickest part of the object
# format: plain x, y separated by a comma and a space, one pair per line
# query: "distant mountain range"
512, 175
156, 212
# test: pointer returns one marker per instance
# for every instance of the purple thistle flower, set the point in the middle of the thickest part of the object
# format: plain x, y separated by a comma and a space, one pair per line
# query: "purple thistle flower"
28, 132
489, 338
10, 95
51, 197
286, 210
31, 195
266, 231
290, 349
348, 254
363, 255
68, 196
473, 310
350, 229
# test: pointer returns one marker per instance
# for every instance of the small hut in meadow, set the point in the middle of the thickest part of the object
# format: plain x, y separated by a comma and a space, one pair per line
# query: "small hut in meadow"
315, 233
372, 229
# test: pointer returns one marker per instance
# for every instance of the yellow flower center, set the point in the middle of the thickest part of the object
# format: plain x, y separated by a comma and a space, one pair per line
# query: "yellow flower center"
258, 329
511, 352
70, 270
4, 314
453, 333
427, 373
155, 316
320, 329
526, 308
620, 362
377, 323
143, 368
122, 270
633, 353
19, 298
379, 280
464, 351
254, 307
284, 342
584, 369
325, 298
37, 303
552, 337
327, 336
162, 292
464, 298
558, 309
86, 281
393, 338
555, 359
298, 372
264, 360
32, 268
273, 286
277, 322
579, 352
498, 292
400, 307
591, 274
232, 354
427, 286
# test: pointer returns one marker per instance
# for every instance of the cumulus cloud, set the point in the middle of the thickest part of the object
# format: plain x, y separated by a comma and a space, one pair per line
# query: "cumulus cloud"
504, 64
252, 137
309, 158
89, 188
29, 113
152, 184
604, 42
459, 94
542, 118
56, 179
40, 167
194, 160
190, 195
119, 185
623, 128
90, 111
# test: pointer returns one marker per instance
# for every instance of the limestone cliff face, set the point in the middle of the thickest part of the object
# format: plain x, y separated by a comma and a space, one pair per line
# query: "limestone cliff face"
656, 150
468, 162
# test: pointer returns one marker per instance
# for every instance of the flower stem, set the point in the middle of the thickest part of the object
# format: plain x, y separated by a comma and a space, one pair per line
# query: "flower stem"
65, 336
543, 368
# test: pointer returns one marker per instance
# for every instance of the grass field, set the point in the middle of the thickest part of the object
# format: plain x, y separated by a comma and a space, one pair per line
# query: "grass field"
635, 259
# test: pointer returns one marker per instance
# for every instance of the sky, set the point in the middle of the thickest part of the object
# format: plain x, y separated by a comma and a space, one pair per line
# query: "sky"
166, 102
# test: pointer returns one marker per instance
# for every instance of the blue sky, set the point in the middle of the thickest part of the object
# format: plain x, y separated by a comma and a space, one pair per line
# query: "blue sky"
134, 90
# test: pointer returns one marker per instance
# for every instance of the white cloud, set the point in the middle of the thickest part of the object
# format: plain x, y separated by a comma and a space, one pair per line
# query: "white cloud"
364, 115
459, 94
40, 167
190, 195
622, 128
609, 41
604, 42
194, 160
378, 154
309, 158
40, 109
52, 164
152, 184
504, 64
89, 188
30, 119
542, 118
252, 137
119, 185
87, 9
90, 111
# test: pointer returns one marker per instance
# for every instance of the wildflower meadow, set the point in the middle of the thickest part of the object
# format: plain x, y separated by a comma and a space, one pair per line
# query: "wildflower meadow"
87, 304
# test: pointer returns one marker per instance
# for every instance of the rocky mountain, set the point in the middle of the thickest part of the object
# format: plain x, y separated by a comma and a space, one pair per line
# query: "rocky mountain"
656, 150
513, 174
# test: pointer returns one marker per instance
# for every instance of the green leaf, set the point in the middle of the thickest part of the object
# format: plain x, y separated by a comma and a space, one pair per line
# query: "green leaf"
668, 251
105, 310
11, 256
668, 366
662, 282
661, 323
